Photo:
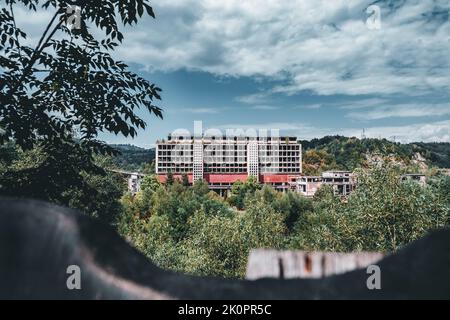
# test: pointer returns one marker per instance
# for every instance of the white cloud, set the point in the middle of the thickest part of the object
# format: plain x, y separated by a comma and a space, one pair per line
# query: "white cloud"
427, 132
201, 110
318, 45
265, 107
255, 98
313, 106
361, 104
323, 46
402, 111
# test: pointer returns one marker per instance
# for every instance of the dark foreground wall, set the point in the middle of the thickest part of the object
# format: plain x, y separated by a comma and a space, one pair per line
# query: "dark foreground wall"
38, 241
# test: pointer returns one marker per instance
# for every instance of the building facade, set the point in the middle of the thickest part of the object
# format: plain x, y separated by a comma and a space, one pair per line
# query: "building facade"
223, 161
342, 182
134, 182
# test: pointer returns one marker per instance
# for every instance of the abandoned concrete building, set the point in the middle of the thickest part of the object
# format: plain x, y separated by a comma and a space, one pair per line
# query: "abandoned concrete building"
343, 183
222, 161
276, 161
134, 182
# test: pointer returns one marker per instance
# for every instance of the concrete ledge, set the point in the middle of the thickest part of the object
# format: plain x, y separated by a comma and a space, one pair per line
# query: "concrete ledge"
38, 241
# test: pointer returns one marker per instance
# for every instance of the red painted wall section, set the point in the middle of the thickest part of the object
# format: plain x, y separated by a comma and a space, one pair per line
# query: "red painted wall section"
225, 178
163, 177
274, 178
232, 178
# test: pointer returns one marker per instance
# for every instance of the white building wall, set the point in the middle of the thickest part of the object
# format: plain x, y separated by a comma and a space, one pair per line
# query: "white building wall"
198, 161
252, 159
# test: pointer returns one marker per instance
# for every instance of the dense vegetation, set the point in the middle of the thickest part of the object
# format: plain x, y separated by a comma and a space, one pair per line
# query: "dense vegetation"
58, 95
193, 230
35, 174
338, 152
132, 158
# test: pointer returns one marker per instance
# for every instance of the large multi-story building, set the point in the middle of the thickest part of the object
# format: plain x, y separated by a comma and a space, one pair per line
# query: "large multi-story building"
222, 161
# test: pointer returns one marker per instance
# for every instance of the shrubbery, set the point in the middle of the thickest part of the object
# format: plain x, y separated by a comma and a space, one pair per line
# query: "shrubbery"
63, 178
193, 230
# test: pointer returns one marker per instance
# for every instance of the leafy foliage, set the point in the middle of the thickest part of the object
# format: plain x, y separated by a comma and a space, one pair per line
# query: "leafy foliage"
382, 214
132, 158
71, 83
36, 174
317, 161
192, 230
240, 190
58, 96
338, 152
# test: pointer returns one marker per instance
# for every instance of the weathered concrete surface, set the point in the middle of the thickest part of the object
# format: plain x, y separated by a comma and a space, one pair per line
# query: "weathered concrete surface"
38, 241
285, 264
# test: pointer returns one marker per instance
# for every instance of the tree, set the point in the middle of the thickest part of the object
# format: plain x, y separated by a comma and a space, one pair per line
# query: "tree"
185, 180
382, 214
96, 193
170, 180
293, 206
200, 188
149, 167
150, 183
143, 199
317, 161
58, 95
239, 191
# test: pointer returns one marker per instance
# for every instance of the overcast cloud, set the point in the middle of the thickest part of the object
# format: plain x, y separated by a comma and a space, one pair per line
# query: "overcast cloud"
315, 58
324, 46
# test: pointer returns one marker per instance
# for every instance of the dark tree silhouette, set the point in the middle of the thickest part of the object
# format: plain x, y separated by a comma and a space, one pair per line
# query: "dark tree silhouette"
71, 84
170, 179
185, 180
60, 94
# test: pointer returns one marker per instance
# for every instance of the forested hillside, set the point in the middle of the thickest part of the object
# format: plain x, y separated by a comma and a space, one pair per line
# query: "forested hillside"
338, 152
132, 158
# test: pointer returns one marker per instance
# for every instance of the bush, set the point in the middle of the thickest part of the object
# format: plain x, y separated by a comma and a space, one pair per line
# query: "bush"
382, 214
194, 230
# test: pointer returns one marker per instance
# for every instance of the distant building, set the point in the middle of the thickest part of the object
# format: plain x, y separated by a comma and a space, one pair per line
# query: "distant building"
342, 182
133, 179
308, 185
134, 182
223, 161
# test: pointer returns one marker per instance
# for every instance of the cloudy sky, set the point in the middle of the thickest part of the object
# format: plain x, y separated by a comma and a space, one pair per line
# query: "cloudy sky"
307, 67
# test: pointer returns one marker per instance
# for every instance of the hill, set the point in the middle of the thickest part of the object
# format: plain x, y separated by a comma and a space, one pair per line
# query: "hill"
133, 158
348, 153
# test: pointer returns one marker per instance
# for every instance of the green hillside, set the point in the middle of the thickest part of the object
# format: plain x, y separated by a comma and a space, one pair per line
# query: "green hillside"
338, 152
133, 158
